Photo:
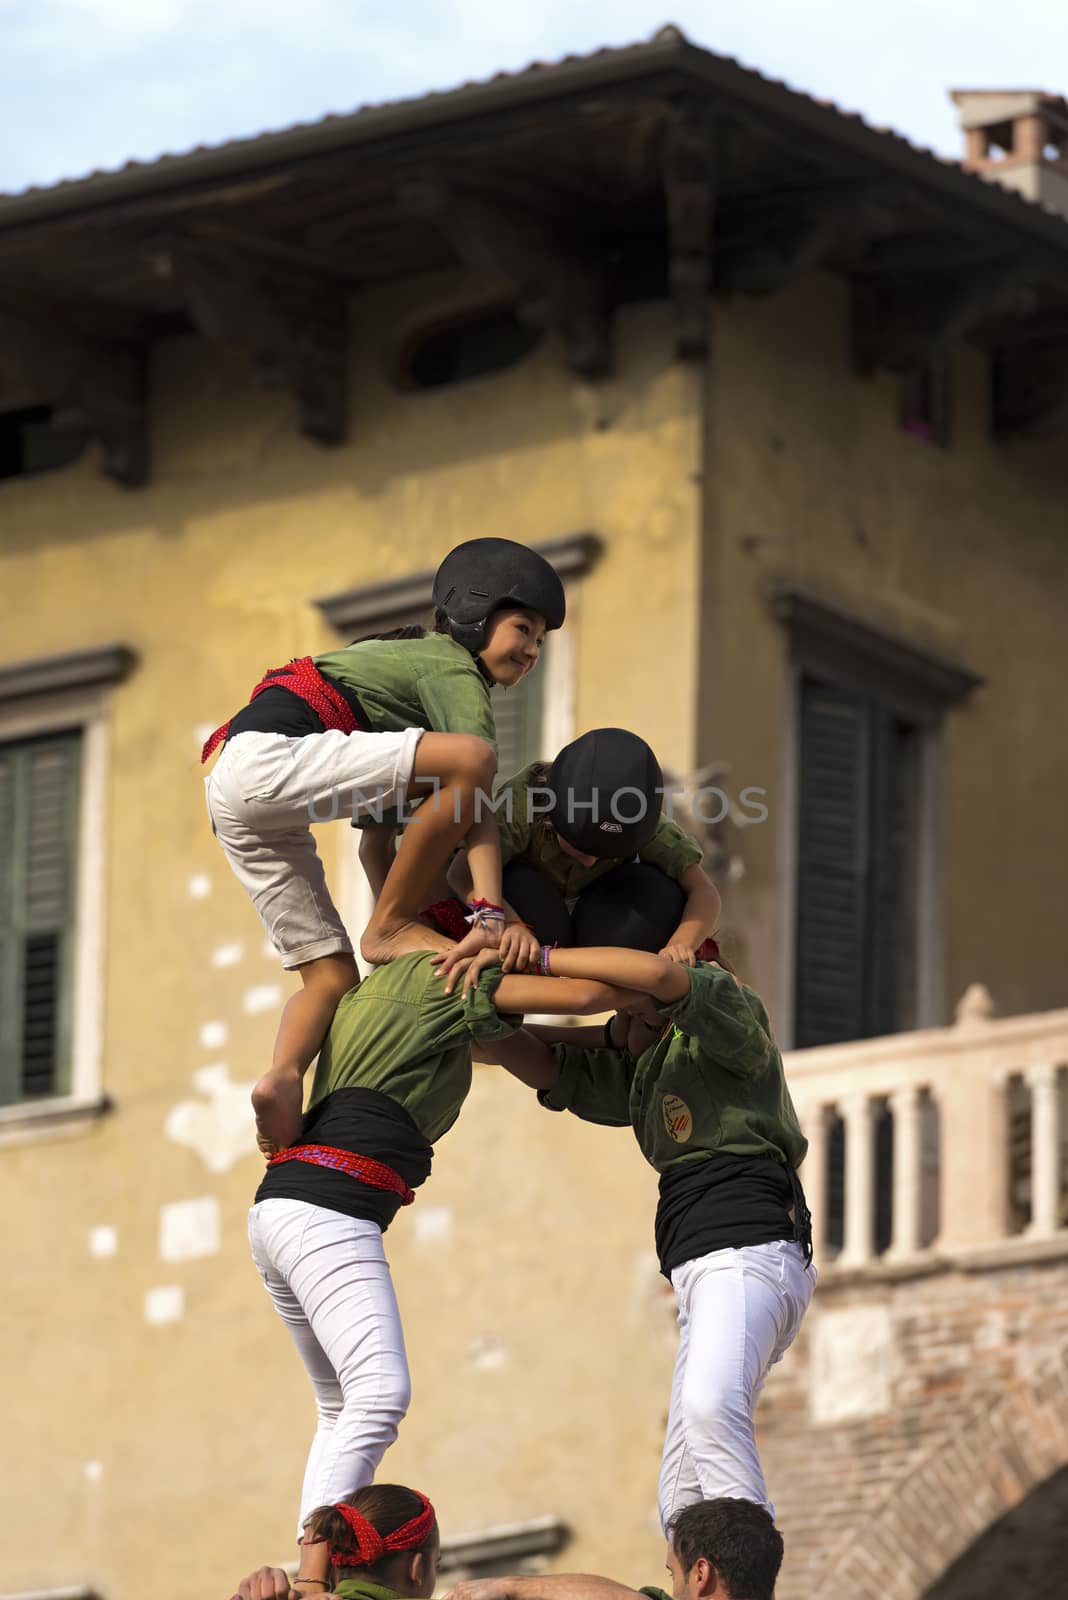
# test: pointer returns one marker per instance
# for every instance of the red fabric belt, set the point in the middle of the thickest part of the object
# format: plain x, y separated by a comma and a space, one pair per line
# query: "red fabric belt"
364, 1168
302, 678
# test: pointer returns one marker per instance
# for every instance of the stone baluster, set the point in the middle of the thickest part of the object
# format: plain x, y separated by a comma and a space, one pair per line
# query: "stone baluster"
906, 1107
814, 1175
1045, 1151
858, 1246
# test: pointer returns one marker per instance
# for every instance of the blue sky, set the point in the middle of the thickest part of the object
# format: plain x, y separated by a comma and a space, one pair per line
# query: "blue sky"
92, 83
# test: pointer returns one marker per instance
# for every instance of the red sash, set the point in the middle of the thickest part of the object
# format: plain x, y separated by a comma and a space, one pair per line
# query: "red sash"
302, 678
364, 1168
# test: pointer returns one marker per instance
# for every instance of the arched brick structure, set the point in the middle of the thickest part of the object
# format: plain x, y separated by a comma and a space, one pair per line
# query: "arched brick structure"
986, 1468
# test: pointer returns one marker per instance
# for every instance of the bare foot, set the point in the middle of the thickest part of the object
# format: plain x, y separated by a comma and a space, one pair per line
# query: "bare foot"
386, 941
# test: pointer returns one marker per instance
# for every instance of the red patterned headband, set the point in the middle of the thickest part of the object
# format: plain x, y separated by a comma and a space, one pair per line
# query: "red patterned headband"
370, 1544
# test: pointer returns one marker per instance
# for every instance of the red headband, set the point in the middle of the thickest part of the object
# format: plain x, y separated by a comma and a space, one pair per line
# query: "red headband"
371, 1546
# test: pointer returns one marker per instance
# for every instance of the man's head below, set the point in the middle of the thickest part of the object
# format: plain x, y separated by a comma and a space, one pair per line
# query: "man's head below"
724, 1550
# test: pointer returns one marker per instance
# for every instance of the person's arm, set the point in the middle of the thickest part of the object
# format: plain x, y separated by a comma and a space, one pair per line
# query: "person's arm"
521, 992
633, 970
700, 915
377, 849
551, 1586
524, 1056
272, 1583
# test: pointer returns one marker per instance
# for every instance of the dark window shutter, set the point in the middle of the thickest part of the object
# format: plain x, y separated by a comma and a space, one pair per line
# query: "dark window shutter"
38, 832
832, 865
518, 715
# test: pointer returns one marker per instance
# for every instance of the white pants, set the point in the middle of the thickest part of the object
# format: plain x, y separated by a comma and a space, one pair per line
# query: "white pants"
329, 1279
265, 790
739, 1312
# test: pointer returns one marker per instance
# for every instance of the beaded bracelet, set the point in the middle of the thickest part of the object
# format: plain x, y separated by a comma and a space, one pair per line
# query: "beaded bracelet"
481, 913
545, 952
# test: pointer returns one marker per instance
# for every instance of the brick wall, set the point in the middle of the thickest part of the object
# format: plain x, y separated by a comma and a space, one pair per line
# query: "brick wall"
911, 1415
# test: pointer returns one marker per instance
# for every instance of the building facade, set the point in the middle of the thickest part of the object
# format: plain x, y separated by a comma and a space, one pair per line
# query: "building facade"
781, 398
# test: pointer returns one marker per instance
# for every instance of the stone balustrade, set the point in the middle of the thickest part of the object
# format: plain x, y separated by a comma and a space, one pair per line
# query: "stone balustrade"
977, 1161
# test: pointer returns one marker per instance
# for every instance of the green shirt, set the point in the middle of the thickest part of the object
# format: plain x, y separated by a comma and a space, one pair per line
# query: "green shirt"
400, 1033
534, 839
431, 683
363, 1589
714, 1084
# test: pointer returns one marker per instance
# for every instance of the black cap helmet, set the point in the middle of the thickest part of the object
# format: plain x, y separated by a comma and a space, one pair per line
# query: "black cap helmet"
605, 793
482, 575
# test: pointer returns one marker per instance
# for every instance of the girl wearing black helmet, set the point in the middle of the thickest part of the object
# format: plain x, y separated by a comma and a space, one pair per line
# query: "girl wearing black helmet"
365, 727
590, 859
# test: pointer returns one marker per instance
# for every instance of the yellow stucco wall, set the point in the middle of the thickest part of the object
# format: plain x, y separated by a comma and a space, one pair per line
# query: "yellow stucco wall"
961, 552
540, 1337
182, 1444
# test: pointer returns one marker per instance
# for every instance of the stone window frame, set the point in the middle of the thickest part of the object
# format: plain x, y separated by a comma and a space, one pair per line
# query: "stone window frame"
52, 694
922, 687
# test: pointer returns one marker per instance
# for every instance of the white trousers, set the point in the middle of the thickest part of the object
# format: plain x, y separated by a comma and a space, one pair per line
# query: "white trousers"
266, 789
329, 1279
739, 1312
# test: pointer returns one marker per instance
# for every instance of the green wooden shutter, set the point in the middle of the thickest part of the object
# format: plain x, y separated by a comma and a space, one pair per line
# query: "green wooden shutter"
518, 715
832, 865
38, 837
856, 855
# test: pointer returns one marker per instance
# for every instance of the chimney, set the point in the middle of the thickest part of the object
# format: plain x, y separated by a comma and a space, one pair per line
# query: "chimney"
1019, 138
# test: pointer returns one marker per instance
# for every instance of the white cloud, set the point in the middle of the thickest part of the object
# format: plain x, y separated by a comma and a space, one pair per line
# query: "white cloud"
88, 83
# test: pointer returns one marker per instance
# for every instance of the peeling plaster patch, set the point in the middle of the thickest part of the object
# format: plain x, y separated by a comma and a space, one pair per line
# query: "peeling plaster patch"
94, 1471
213, 1035
433, 1225
199, 886
189, 1229
487, 1354
212, 1079
227, 955
103, 1241
165, 1304
220, 1127
265, 997
851, 1359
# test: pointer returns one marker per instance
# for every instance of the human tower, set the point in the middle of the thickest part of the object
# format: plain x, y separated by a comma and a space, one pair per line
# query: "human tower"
562, 890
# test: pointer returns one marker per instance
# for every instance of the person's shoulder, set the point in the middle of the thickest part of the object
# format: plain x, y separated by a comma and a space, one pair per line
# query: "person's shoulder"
528, 777
406, 977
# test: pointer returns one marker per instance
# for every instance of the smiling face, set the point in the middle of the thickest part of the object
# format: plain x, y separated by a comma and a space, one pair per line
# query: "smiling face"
513, 644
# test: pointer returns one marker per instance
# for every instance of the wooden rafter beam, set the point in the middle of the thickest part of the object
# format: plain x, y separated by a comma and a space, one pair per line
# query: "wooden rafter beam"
692, 152
902, 326
292, 325
1031, 391
98, 385
557, 284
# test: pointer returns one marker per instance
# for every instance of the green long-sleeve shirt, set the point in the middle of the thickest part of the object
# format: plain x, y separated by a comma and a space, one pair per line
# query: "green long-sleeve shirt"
364, 1589
712, 1084
431, 683
401, 1034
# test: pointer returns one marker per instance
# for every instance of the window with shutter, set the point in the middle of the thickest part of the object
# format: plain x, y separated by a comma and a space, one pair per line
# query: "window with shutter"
857, 848
518, 715
38, 833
